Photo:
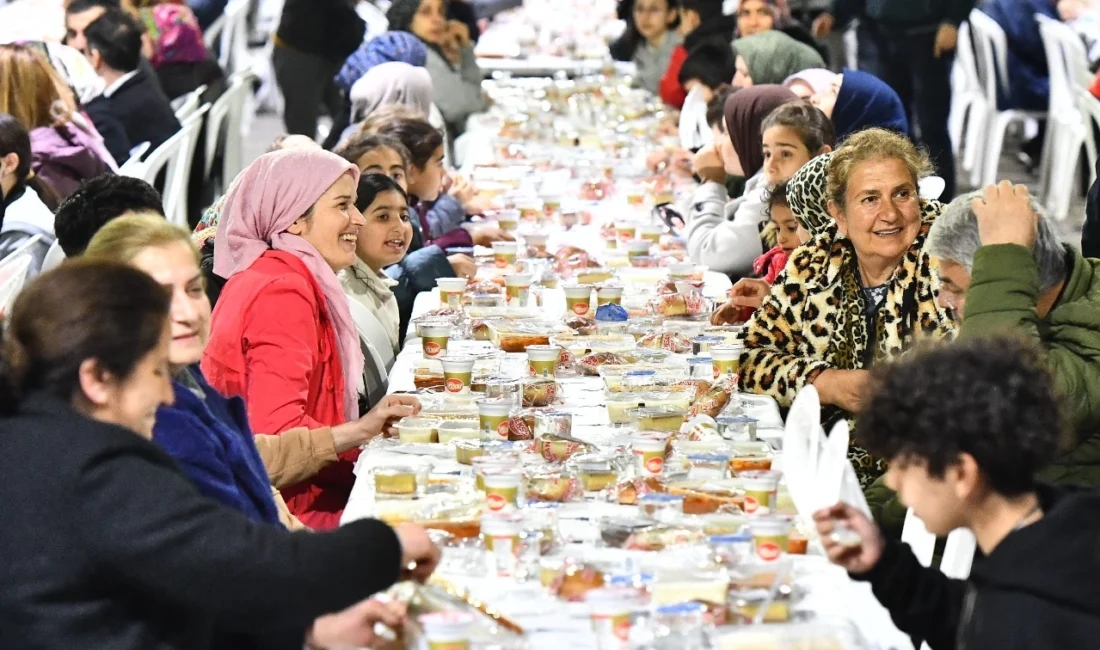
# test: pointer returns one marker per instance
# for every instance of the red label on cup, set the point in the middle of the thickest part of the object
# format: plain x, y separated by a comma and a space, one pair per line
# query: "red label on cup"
622, 629
716, 372
502, 428
495, 502
580, 309
655, 464
431, 349
454, 385
500, 261
769, 551
751, 505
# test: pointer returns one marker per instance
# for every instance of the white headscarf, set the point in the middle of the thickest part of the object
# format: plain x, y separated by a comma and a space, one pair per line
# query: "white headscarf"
393, 82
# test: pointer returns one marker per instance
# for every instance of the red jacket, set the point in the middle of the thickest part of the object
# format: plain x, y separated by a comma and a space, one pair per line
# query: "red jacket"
273, 344
672, 93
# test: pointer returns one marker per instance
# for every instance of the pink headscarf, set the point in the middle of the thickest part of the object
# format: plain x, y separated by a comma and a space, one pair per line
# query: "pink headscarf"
819, 79
262, 203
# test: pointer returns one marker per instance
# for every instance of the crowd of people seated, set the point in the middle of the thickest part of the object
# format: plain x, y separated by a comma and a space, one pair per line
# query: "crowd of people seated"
201, 396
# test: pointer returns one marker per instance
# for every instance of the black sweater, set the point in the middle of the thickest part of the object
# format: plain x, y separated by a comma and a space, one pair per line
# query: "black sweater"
1039, 588
330, 29
106, 544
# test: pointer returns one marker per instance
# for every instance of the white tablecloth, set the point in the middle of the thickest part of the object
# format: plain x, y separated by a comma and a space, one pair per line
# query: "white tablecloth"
548, 66
552, 624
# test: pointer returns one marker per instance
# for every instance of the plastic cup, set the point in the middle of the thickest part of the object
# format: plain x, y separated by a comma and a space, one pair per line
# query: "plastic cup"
551, 204
650, 451
433, 339
447, 630
517, 287
504, 253
636, 248
502, 489
507, 220
770, 537
493, 417
530, 209
458, 430
626, 230
605, 295
417, 430
450, 291
761, 488
543, 359
458, 372
536, 241
578, 299
650, 233
726, 359
703, 344
611, 611
681, 270
501, 534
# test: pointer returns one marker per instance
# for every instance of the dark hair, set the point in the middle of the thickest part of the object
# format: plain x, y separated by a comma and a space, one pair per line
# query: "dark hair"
420, 138
711, 64
806, 120
716, 107
776, 196
361, 144
80, 6
991, 398
15, 139
84, 309
97, 201
707, 9
116, 35
371, 185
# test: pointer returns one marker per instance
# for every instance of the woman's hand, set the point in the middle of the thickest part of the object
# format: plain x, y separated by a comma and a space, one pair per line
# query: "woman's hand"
390, 409
464, 266
745, 296
1005, 215
462, 190
486, 235
843, 388
856, 558
419, 554
354, 627
707, 164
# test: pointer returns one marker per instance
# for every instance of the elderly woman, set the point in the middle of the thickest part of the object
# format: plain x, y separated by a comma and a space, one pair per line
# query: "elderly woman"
1003, 269
861, 291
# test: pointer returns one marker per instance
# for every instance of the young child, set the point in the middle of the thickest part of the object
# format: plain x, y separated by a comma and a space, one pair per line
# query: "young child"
789, 235
707, 34
655, 22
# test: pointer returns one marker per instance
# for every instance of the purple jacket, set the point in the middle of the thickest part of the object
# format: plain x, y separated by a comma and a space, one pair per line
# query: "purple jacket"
456, 237
66, 155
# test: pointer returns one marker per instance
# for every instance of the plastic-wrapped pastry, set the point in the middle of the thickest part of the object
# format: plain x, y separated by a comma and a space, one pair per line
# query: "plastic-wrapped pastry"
576, 581
558, 450
700, 386
521, 426
678, 304
485, 287
582, 325
666, 340
716, 398
541, 392
590, 364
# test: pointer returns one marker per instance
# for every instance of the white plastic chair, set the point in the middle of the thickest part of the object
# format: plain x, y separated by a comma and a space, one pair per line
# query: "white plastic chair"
174, 156
54, 257
375, 18
233, 49
24, 248
694, 130
186, 105
1067, 126
13, 275
225, 118
135, 159
992, 54
210, 36
967, 102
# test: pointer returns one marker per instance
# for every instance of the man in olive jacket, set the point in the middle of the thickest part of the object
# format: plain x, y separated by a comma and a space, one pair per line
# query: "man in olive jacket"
1003, 269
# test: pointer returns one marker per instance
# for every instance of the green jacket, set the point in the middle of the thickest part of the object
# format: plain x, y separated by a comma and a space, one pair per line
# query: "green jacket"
1003, 292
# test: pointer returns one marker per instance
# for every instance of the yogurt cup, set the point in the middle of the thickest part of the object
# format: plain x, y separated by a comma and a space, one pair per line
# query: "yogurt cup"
530, 209
626, 230
611, 610
517, 287
661, 507
701, 345
450, 291
650, 233
447, 630
543, 359
433, 339
493, 417
536, 241
770, 537
638, 248
504, 253
458, 430
578, 299
507, 220
501, 534
726, 359
613, 295
551, 205
458, 373
681, 270
761, 488
417, 430
502, 489
650, 452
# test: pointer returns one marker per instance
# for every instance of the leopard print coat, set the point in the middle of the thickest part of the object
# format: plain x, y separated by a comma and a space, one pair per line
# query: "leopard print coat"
814, 319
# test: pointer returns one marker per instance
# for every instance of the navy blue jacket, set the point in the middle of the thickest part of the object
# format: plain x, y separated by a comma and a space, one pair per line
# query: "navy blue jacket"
1028, 76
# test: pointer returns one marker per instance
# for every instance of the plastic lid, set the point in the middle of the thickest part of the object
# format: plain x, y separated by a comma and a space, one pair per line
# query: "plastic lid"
732, 538
630, 580
660, 498
682, 609
708, 458
700, 360
735, 418
639, 373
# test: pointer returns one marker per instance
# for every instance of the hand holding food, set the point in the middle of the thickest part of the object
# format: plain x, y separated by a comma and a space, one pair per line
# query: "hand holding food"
391, 408
858, 552
354, 627
419, 554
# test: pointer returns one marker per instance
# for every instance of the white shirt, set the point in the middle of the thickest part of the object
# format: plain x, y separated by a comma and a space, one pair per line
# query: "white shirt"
110, 90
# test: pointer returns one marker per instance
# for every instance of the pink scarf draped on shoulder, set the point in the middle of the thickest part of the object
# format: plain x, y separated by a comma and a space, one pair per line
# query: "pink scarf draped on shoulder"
262, 203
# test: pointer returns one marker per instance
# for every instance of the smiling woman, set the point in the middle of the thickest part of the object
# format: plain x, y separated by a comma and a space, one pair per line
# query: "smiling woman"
860, 292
